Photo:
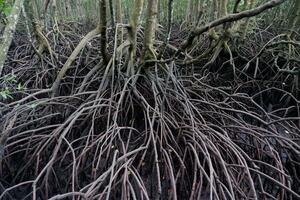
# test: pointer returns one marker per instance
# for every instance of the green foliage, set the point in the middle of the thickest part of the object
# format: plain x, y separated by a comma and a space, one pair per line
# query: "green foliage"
5, 93
10, 78
5, 7
10, 85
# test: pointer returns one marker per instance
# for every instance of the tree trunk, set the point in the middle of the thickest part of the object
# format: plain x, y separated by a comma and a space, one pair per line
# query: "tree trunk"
37, 28
119, 20
215, 8
295, 16
55, 14
118, 11
103, 28
132, 32
170, 18
199, 13
169, 27
229, 18
214, 15
112, 14
245, 25
151, 22
223, 8
9, 32
189, 11
236, 5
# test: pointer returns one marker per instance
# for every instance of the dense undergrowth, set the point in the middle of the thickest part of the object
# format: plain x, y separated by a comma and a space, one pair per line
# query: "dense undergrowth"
227, 129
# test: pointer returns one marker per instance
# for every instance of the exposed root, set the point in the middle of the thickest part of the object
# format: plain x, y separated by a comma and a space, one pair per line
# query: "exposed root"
162, 133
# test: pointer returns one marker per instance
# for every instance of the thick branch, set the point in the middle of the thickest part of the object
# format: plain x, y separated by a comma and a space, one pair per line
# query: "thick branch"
230, 18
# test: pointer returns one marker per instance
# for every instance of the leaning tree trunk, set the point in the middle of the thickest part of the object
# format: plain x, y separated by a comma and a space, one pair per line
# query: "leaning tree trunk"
9, 32
151, 23
42, 41
2, 22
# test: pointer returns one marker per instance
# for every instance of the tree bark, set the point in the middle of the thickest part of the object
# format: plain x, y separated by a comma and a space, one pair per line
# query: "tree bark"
132, 32
119, 20
9, 32
118, 11
245, 26
55, 14
170, 18
103, 28
229, 18
112, 14
64, 69
223, 8
236, 5
215, 8
295, 16
188, 11
43, 42
151, 22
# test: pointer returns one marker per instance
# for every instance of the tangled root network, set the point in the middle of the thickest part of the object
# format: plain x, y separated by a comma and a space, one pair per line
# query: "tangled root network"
160, 134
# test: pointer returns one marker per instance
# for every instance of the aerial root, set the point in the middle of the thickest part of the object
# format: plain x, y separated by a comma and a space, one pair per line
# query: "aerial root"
144, 143
162, 134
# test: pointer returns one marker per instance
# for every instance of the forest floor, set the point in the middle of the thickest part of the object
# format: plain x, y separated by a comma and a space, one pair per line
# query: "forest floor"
200, 130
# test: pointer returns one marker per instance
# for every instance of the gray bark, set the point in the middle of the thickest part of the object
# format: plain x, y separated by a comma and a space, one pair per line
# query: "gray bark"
9, 32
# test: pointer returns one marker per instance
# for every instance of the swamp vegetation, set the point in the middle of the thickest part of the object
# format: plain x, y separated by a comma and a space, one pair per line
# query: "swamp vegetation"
150, 99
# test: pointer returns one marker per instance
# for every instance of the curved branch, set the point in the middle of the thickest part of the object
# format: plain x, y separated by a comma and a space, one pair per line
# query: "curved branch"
72, 57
